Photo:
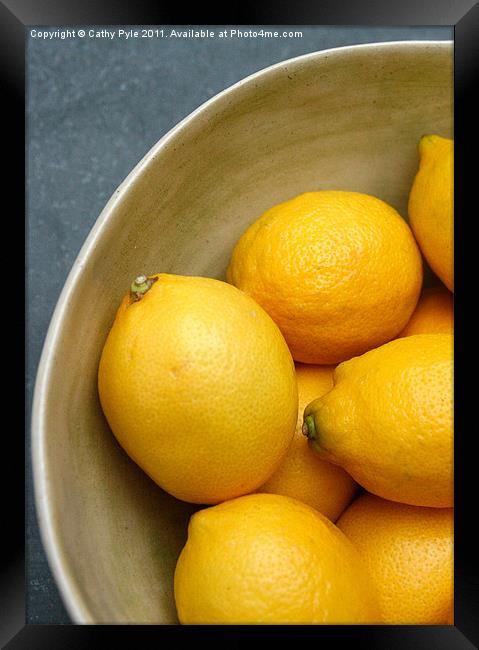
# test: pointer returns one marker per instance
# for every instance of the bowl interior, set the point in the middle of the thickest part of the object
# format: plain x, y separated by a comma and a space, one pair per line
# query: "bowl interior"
345, 119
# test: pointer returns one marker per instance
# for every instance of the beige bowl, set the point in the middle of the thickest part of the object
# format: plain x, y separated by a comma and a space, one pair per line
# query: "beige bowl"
348, 118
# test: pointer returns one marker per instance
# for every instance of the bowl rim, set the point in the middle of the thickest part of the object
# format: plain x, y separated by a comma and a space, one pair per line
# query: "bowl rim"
49, 530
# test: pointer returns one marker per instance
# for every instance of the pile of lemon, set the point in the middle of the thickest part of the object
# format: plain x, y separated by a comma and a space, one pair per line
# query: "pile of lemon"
307, 403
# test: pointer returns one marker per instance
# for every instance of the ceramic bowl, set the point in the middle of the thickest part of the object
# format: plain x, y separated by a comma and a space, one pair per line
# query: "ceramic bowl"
348, 118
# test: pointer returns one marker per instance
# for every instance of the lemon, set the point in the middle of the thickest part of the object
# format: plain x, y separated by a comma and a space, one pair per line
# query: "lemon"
302, 474
266, 558
190, 379
339, 272
408, 551
389, 420
431, 205
434, 313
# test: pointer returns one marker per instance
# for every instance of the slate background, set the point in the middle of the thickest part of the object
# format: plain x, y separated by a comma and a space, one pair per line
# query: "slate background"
94, 108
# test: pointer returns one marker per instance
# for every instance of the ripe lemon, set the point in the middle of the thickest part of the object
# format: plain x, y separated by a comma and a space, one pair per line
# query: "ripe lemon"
303, 475
190, 378
431, 205
408, 551
339, 272
389, 420
433, 314
265, 558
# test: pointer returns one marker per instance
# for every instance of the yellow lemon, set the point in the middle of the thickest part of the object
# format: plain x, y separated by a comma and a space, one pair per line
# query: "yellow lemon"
190, 378
431, 205
266, 558
408, 551
389, 420
302, 474
339, 272
434, 313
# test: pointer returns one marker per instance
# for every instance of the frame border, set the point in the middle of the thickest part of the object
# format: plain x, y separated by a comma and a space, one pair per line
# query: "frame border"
15, 17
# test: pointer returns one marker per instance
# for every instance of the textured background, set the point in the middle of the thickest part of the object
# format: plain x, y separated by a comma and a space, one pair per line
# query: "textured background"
94, 108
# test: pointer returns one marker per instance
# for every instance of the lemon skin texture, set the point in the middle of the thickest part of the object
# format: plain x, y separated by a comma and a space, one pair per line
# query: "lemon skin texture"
302, 474
191, 380
270, 559
434, 313
339, 272
408, 551
389, 420
431, 205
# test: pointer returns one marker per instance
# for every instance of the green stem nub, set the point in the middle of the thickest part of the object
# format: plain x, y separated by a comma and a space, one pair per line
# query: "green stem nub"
309, 427
140, 286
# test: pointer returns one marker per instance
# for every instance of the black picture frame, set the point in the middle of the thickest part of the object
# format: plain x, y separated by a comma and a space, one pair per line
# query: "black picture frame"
15, 17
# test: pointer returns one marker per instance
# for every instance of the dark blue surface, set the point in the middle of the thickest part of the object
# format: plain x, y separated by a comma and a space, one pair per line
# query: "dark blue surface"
94, 108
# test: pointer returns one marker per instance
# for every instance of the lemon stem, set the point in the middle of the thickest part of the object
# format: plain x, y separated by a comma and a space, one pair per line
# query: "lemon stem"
140, 286
309, 428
